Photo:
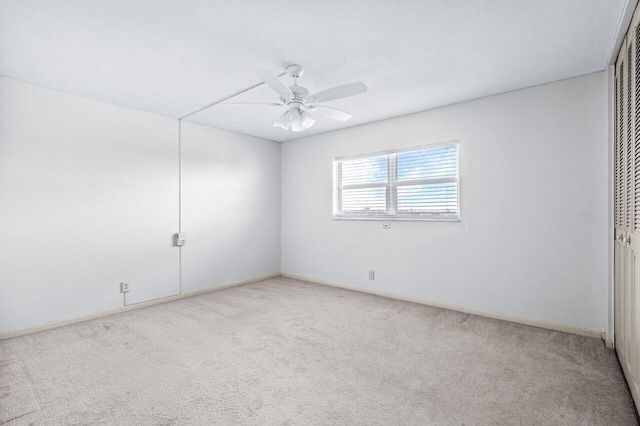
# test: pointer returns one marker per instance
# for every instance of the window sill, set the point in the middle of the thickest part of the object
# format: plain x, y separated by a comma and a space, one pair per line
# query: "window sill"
397, 218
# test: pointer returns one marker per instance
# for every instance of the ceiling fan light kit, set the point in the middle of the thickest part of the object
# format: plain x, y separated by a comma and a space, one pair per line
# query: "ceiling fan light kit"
296, 119
300, 102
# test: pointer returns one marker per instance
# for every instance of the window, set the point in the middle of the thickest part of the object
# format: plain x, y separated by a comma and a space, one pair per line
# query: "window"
412, 184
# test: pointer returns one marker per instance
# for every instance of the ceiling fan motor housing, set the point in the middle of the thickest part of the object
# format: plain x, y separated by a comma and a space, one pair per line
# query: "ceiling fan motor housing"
300, 95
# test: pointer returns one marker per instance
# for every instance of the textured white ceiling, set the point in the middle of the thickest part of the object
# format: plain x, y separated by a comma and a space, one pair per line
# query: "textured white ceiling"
174, 57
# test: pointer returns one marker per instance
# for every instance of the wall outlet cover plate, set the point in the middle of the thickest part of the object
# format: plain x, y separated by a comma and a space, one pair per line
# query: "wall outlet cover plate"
180, 238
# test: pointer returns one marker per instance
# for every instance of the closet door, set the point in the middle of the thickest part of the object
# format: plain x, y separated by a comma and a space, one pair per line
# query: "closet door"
632, 293
619, 201
627, 207
629, 116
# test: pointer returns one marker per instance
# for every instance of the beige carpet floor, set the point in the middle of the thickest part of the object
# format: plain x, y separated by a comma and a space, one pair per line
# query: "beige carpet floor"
285, 352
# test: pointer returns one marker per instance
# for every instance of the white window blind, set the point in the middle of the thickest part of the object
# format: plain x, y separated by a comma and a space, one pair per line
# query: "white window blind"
420, 183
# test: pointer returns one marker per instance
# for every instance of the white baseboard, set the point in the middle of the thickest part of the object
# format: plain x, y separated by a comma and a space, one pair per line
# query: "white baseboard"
55, 324
608, 343
466, 309
424, 301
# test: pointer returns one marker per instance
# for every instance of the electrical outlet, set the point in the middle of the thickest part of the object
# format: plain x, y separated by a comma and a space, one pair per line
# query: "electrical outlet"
386, 226
372, 274
124, 287
180, 238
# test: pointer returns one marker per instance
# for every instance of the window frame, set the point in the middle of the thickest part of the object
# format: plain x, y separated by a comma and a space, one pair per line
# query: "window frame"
391, 185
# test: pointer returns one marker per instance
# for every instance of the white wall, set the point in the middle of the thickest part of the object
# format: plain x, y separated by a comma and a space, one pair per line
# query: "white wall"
534, 199
230, 206
89, 197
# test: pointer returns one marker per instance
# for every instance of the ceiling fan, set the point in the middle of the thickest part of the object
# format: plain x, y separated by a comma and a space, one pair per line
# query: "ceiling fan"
299, 102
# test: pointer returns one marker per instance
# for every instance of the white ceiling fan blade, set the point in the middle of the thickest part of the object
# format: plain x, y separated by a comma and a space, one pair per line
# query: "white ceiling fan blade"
332, 113
282, 121
253, 103
343, 91
276, 84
